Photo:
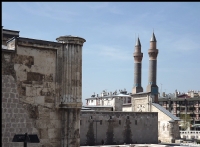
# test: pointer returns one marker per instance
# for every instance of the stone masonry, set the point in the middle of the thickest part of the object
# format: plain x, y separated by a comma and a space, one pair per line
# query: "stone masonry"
15, 117
42, 89
137, 68
117, 127
153, 53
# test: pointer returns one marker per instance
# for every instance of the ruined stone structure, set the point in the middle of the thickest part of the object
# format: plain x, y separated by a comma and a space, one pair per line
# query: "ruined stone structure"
42, 89
153, 52
116, 127
137, 68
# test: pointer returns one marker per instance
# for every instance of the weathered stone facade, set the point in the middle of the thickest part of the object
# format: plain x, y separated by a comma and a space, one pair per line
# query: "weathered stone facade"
142, 102
168, 129
16, 116
118, 127
48, 80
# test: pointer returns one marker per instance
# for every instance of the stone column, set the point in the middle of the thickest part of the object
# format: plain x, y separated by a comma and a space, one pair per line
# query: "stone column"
152, 86
69, 78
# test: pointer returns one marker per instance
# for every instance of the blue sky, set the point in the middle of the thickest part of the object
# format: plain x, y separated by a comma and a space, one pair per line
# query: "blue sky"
110, 30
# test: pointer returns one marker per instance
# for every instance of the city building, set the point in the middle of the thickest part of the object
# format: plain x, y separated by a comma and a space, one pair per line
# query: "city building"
180, 104
183, 103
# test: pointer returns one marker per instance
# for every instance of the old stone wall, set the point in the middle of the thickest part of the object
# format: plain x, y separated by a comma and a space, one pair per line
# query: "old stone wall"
118, 104
141, 103
32, 72
127, 108
100, 108
118, 127
41, 85
7, 67
166, 131
176, 131
16, 116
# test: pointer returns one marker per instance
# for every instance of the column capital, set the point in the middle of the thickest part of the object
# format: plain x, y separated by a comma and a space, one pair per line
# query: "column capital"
68, 39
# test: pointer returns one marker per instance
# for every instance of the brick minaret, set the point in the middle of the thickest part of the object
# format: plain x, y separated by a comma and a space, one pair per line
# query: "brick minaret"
137, 68
153, 52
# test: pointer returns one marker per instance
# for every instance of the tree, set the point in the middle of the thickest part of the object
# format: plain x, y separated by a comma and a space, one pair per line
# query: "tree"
185, 121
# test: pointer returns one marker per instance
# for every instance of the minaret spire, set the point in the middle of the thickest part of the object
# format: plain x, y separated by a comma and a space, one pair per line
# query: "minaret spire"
138, 42
153, 38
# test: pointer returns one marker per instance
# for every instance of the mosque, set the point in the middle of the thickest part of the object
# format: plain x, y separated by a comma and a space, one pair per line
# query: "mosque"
138, 100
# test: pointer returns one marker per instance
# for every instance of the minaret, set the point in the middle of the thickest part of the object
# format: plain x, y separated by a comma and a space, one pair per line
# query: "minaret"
137, 68
153, 52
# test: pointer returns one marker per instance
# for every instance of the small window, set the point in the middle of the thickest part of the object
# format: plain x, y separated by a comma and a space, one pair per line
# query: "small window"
129, 100
135, 122
119, 122
100, 122
127, 117
110, 117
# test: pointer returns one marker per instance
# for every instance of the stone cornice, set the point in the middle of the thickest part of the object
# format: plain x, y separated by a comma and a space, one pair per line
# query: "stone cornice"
71, 40
38, 43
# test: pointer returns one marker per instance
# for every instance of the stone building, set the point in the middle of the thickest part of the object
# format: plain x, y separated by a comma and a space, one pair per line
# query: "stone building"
179, 106
139, 101
115, 127
167, 123
41, 89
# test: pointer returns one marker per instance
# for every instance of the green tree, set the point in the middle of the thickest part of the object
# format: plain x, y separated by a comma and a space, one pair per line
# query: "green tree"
185, 121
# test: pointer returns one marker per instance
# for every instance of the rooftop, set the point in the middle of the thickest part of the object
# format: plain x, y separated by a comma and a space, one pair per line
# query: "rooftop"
173, 117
